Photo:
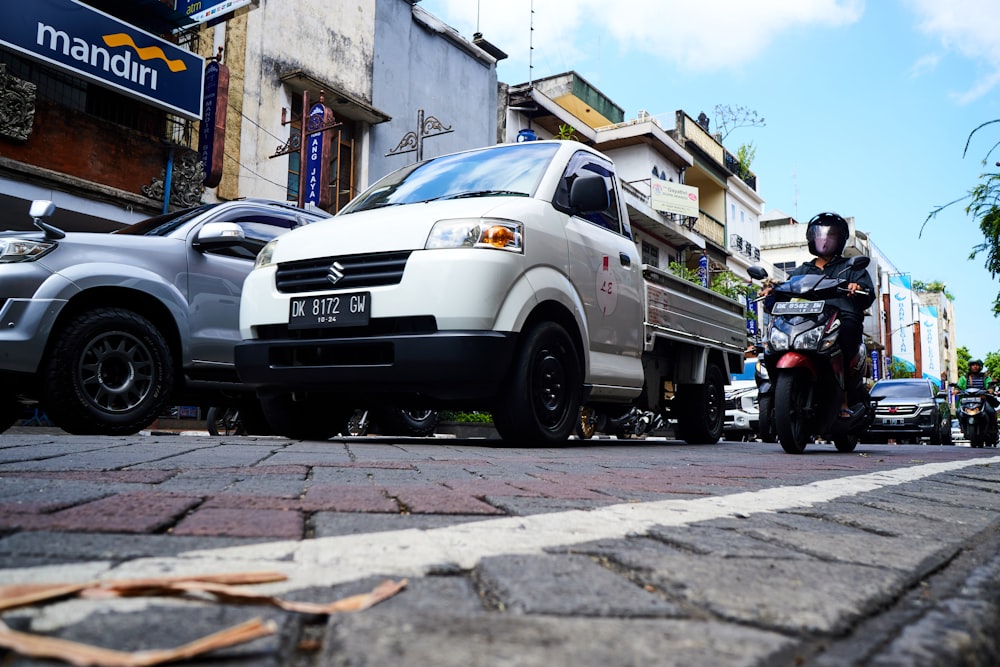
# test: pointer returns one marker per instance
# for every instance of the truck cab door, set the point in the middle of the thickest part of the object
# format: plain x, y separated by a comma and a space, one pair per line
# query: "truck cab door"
605, 271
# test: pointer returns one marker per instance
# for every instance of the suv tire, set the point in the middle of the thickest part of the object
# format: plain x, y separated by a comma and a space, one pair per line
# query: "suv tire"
110, 373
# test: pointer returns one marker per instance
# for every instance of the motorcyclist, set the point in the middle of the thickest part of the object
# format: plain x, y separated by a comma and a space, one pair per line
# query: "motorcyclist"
977, 379
827, 234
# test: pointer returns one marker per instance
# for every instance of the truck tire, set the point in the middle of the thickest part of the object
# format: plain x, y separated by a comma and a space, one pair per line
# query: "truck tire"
398, 421
540, 404
110, 373
316, 417
702, 409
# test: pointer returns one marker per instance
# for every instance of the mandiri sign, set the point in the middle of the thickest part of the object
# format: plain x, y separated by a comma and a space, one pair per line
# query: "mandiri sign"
74, 37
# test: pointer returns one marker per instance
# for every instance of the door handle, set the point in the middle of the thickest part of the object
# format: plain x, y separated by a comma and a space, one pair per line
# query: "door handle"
625, 259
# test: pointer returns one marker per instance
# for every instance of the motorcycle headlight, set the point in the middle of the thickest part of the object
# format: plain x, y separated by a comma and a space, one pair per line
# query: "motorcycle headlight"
476, 233
809, 340
778, 340
23, 250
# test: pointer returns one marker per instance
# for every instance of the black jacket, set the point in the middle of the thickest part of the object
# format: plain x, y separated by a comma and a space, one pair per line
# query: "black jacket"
836, 268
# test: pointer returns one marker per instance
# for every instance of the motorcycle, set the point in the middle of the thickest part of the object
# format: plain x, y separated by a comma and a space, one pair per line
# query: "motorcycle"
978, 422
805, 368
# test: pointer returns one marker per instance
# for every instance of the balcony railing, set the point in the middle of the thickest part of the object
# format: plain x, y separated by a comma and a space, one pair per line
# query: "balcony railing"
711, 229
733, 165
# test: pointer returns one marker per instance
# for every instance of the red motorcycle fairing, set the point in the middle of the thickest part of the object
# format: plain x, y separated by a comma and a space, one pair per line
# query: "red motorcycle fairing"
793, 359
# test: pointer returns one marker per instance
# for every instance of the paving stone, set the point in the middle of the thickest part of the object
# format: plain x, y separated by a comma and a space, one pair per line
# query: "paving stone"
277, 524
142, 512
786, 594
715, 539
383, 637
348, 498
564, 585
330, 524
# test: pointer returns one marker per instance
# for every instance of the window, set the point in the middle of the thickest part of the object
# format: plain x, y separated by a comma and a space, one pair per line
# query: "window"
785, 266
650, 254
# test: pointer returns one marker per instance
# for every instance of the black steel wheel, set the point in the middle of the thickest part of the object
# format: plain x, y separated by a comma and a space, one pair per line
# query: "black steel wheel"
790, 408
702, 408
110, 373
540, 404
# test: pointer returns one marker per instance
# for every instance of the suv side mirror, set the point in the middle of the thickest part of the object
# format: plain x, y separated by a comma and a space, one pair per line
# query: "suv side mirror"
219, 235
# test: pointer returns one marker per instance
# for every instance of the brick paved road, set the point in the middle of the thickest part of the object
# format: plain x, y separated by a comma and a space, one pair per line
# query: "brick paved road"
605, 552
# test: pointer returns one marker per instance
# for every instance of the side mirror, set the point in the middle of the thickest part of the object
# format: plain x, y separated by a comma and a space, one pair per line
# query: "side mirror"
589, 193
757, 272
219, 234
41, 208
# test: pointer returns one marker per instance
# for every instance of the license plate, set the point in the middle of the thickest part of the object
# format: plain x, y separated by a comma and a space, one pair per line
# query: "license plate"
892, 422
335, 310
797, 308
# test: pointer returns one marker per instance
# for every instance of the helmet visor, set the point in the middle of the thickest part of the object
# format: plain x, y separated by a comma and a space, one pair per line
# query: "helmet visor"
826, 240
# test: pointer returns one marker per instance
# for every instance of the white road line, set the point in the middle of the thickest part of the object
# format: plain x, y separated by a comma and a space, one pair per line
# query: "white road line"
413, 552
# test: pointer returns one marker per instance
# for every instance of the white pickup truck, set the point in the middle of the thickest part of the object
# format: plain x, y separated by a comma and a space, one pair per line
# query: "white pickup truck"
504, 279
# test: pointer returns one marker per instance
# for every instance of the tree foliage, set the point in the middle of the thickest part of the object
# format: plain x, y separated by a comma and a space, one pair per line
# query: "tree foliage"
984, 206
933, 286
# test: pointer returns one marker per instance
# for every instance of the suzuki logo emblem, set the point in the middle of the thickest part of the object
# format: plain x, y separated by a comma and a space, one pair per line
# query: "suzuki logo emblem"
335, 272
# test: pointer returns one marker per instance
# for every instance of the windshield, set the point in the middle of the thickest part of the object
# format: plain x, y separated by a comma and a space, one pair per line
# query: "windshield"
163, 225
901, 390
513, 170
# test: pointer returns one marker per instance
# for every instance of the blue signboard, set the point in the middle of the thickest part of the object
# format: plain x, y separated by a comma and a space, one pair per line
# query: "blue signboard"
208, 10
314, 156
96, 46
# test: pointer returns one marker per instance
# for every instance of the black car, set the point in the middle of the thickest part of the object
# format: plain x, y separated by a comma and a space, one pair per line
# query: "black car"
910, 409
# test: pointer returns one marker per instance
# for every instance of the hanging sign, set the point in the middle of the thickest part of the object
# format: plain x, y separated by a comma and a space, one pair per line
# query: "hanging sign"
212, 135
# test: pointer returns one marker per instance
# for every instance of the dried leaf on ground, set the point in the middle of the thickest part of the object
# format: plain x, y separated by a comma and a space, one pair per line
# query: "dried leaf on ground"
226, 587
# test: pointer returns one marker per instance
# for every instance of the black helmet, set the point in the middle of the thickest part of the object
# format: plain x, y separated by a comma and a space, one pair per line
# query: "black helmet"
976, 361
827, 234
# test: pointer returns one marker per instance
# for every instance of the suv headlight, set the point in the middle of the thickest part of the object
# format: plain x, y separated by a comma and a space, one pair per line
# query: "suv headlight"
476, 233
23, 250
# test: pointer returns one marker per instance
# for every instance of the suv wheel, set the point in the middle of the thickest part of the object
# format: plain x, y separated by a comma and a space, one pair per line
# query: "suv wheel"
110, 373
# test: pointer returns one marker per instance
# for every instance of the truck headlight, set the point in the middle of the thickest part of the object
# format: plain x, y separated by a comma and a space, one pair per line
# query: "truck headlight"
23, 250
476, 233
266, 255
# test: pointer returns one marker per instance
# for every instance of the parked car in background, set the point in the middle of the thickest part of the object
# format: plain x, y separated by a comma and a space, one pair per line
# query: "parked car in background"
909, 410
742, 415
103, 331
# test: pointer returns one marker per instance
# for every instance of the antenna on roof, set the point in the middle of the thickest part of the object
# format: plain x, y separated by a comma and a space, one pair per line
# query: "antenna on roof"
531, 44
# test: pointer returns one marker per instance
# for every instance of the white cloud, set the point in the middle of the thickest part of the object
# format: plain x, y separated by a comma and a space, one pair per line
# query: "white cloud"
969, 28
693, 35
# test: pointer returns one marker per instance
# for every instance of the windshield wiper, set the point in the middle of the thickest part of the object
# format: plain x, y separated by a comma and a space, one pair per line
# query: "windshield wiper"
479, 193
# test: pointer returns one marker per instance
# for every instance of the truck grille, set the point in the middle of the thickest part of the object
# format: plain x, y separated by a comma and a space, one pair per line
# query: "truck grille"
354, 271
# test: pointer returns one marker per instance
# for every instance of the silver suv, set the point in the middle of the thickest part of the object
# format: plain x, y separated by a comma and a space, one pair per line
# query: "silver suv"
910, 409
105, 330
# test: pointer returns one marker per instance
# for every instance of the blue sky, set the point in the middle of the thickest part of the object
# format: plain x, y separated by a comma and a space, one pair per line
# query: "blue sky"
867, 106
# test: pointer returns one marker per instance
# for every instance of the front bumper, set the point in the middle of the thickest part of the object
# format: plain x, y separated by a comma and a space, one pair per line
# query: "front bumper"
445, 366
